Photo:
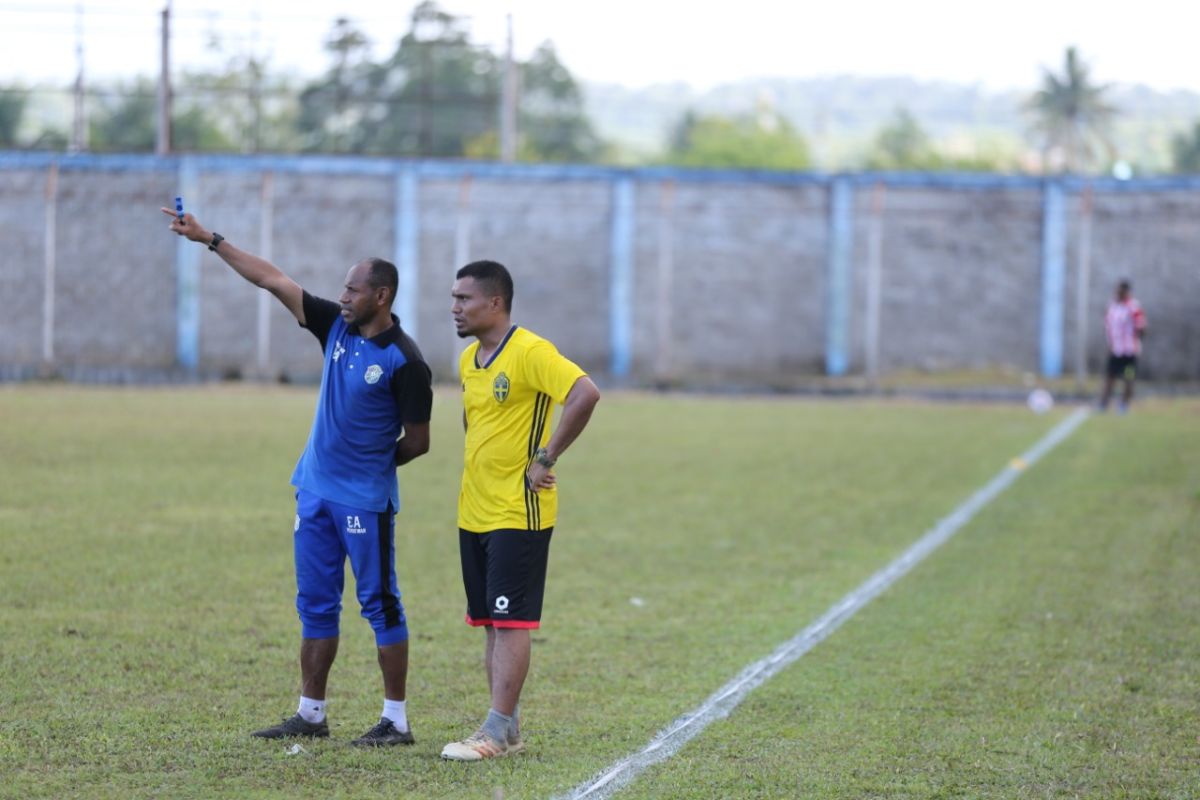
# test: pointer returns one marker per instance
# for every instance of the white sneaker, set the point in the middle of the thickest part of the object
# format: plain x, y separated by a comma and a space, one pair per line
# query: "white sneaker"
479, 746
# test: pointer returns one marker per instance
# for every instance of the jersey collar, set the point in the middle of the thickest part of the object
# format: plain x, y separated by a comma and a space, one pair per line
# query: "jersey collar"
499, 349
385, 338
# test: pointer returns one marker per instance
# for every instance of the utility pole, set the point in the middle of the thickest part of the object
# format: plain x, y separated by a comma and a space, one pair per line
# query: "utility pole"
254, 68
79, 123
508, 103
163, 141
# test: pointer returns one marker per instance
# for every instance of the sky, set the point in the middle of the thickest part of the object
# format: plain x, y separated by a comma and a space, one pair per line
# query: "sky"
999, 45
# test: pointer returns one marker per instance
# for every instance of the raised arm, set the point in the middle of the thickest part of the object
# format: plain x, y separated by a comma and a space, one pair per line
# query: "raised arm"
257, 270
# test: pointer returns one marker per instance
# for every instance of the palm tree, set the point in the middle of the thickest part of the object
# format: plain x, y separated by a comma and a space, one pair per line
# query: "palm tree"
1072, 114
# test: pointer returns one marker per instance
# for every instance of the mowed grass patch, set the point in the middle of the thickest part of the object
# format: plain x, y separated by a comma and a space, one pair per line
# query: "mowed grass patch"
1049, 650
146, 592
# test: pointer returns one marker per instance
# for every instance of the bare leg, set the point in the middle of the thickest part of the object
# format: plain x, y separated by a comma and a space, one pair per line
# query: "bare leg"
393, 663
489, 650
1107, 393
1128, 393
316, 657
509, 666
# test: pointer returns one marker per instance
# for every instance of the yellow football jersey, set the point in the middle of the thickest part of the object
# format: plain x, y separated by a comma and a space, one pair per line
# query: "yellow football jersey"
508, 404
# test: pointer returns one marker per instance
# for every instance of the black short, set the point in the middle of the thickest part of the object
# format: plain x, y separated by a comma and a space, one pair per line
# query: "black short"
1122, 367
504, 573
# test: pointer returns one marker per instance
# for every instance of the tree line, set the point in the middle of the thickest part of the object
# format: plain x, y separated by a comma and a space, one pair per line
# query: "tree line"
439, 95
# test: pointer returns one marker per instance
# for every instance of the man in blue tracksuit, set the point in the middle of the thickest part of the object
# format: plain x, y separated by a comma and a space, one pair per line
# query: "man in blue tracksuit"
372, 415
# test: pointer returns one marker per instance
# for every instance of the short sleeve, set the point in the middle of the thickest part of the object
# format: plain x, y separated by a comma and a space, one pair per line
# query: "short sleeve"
550, 371
319, 316
412, 386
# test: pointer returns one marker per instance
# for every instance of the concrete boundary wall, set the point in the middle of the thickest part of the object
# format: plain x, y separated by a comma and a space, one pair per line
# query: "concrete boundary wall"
645, 276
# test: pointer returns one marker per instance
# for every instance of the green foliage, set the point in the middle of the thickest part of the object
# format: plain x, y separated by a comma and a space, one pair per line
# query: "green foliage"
903, 144
127, 120
12, 110
124, 119
552, 122
252, 109
762, 141
1185, 147
331, 108
1073, 116
439, 95
50, 139
145, 599
437, 91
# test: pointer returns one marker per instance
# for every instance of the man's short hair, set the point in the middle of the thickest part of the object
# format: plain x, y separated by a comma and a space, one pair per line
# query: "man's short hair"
382, 273
1124, 285
492, 277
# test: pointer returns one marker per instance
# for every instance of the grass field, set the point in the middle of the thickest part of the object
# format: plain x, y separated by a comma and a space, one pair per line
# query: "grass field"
1050, 649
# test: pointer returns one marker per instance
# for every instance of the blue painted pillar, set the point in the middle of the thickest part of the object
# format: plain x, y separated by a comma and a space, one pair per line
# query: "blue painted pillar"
407, 233
187, 276
838, 276
621, 277
1054, 259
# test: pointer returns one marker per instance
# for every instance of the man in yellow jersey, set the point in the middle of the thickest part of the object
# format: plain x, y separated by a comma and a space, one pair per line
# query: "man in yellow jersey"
511, 380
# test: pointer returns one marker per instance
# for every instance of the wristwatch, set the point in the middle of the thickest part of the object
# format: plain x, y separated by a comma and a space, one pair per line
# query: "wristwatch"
217, 239
542, 456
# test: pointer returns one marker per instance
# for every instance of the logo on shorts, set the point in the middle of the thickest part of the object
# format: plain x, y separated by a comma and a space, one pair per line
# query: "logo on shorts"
373, 373
501, 605
353, 525
500, 388
296, 527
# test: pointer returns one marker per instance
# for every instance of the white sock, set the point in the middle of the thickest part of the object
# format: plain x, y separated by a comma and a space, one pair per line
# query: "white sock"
395, 711
311, 710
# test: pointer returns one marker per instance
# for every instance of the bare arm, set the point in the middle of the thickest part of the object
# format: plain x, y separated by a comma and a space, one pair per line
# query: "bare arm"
577, 410
257, 270
414, 443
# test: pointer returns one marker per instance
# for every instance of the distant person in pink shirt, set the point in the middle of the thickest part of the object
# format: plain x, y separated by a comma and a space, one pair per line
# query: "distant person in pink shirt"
1124, 324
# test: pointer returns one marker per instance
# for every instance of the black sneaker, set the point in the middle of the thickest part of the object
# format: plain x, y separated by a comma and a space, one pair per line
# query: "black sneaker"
385, 732
294, 726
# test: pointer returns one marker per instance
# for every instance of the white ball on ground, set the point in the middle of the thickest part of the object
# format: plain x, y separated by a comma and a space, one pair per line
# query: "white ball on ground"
1040, 401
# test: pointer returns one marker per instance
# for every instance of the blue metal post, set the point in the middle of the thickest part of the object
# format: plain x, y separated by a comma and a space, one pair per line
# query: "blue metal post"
621, 277
1054, 270
407, 233
837, 276
187, 277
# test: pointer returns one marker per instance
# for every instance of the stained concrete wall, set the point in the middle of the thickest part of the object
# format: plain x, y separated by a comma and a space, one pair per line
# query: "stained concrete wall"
729, 271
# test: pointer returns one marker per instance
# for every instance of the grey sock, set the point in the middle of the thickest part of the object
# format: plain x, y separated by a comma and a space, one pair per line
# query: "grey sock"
496, 725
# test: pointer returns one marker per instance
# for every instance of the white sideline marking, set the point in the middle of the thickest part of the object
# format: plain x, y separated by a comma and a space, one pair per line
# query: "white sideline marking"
728, 697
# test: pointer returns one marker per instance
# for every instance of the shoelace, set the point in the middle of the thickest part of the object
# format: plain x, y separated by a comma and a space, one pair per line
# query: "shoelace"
481, 741
382, 728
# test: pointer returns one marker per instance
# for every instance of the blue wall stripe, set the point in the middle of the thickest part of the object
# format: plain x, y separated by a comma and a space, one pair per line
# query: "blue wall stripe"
360, 165
1054, 259
621, 277
838, 275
